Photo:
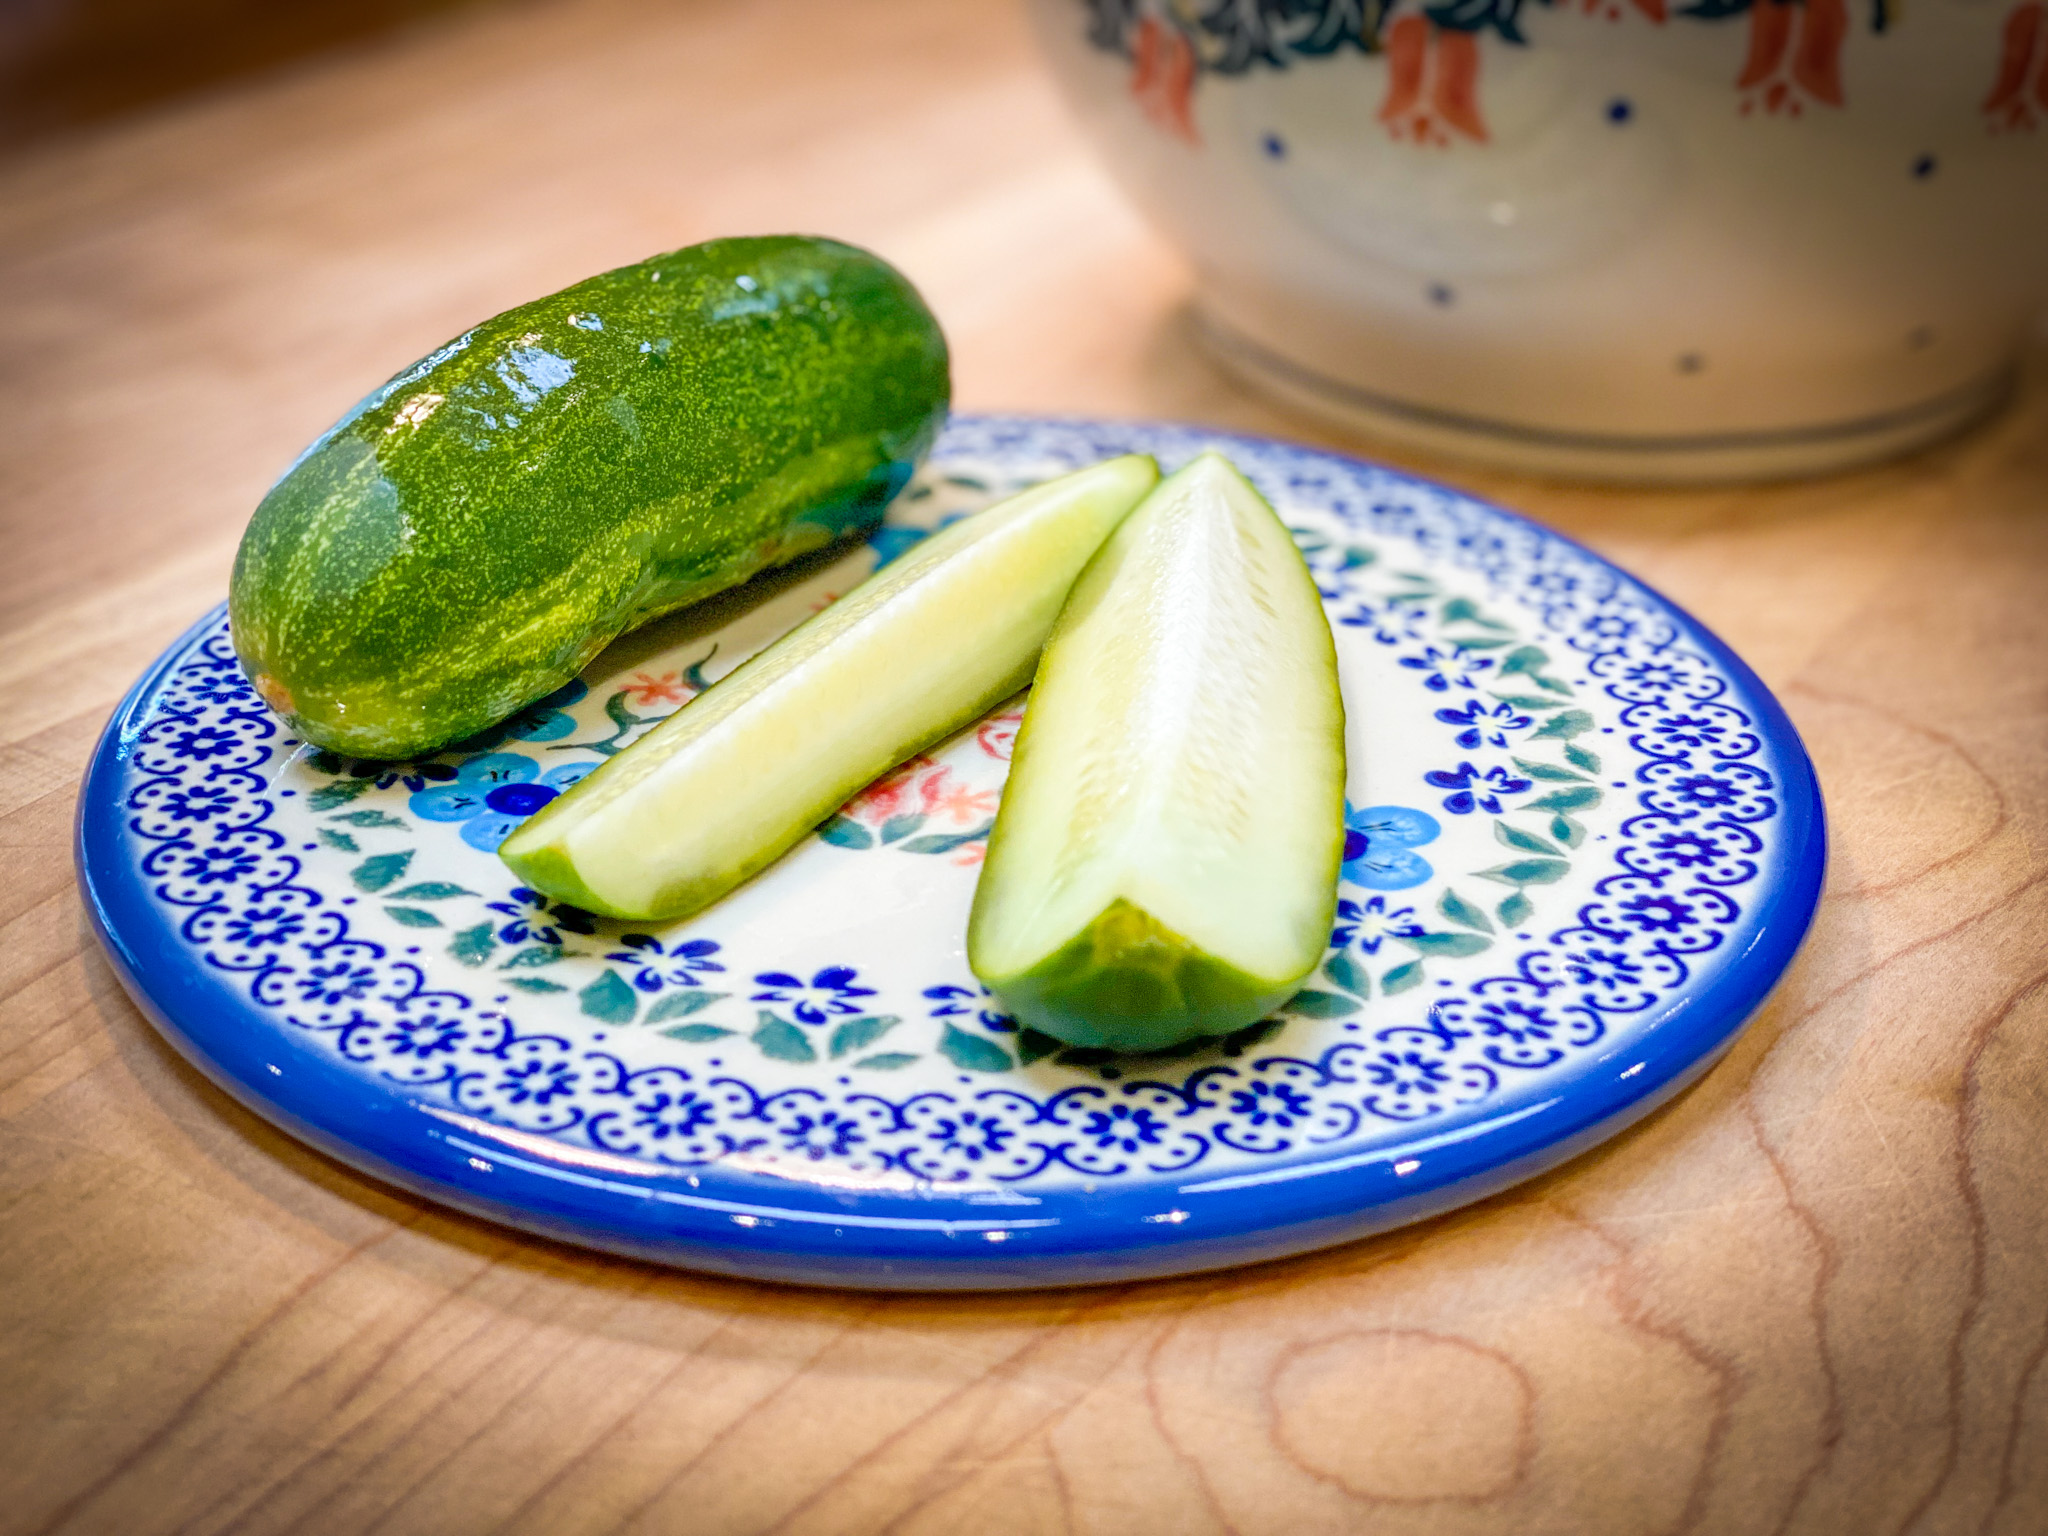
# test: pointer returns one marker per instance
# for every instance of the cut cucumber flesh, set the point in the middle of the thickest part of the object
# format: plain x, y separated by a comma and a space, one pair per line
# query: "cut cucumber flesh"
725, 785
1164, 864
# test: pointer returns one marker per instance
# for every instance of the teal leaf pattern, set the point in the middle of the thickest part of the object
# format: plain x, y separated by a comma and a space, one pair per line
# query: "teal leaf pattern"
779, 1040
1401, 978
1347, 973
340, 792
845, 832
374, 819
1528, 872
1564, 800
1459, 910
610, 999
473, 946
375, 874
972, 1053
1573, 722
1446, 946
1525, 842
412, 917
680, 1005
696, 1034
1311, 1004
1547, 773
858, 1034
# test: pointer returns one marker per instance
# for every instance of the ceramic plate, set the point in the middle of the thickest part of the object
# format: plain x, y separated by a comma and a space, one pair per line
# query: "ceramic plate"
1584, 843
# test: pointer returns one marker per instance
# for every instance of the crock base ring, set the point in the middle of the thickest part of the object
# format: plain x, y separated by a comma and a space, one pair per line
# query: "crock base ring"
1724, 458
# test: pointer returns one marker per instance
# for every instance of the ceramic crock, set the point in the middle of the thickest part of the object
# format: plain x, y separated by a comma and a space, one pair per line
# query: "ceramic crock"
1622, 239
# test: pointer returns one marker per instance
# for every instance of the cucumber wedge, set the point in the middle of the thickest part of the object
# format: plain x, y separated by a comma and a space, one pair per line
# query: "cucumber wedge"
1164, 864
725, 785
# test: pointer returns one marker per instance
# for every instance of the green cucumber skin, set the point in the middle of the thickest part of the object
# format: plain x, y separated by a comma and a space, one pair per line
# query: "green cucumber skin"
1126, 982
475, 531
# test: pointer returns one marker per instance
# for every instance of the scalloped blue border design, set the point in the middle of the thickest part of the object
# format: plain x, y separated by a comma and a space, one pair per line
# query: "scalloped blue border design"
766, 1225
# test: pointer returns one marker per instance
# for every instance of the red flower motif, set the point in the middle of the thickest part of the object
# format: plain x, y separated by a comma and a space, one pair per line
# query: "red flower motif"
1424, 60
998, 734
894, 792
1163, 78
1795, 54
665, 688
959, 803
2023, 55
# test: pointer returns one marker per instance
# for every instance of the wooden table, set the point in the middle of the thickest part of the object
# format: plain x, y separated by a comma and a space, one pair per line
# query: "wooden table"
1812, 1296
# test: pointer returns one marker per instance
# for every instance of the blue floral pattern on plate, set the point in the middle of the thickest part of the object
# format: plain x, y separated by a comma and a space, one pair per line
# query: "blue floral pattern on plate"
1621, 832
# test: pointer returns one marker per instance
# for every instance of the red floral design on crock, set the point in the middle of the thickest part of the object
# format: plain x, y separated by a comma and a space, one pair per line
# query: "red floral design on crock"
1795, 55
1432, 83
2020, 90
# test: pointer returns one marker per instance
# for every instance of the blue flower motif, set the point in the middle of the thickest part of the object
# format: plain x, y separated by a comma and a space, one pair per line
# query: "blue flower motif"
537, 1081
542, 720
1608, 970
1483, 726
1455, 667
536, 920
1691, 732
831, 991
681, 964
1390, 626
227, 686
958, 1002
1379, 843
493, 793
219, 864
1516, 1022
1658, 913
972, 1133
336, 983
1407, 1072
1122, 1126
1261, 1102
1710, 792
1371, 924
1475, 789
826, 1134
430, 1035
662, 1115
1655, 676
198, 802
258, 926
203, 742
1686, 849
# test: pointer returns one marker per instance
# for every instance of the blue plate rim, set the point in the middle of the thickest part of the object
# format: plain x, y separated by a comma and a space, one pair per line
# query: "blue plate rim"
745, 1223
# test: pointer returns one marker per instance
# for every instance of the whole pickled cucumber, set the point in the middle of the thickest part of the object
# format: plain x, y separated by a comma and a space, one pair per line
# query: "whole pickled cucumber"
469, 536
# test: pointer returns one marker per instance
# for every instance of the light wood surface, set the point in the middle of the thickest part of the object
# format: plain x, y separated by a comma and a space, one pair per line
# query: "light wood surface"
1811, 1296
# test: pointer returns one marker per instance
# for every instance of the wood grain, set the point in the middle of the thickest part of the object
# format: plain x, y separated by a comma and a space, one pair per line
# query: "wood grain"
1810, 1297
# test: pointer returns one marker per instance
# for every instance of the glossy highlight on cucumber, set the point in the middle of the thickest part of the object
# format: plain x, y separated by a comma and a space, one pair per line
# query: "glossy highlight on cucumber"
1164, 863
925, 646
475, 531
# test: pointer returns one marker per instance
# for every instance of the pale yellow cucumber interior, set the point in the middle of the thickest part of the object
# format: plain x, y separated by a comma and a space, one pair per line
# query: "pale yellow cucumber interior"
1182, 750
729, 781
